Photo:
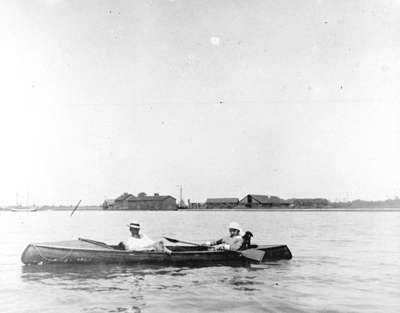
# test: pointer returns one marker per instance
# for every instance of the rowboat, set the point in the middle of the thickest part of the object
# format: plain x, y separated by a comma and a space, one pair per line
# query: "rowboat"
92, 252
22, 209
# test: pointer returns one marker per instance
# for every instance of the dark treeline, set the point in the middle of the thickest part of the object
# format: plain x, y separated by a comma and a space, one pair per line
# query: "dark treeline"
389, 203
354, 204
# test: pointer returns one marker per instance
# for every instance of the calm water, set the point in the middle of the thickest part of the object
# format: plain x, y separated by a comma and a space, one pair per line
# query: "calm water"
343, 262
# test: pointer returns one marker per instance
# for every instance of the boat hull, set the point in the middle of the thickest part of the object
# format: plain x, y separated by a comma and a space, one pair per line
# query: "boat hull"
76, 252
23, 210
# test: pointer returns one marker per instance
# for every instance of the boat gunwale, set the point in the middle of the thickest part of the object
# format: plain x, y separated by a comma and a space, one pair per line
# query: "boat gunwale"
126, 252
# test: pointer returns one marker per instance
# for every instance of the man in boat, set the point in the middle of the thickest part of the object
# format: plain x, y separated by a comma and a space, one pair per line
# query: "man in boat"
232, 242
140, 242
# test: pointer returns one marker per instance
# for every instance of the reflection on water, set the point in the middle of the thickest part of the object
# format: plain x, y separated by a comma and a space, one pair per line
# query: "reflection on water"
141, 283
131, 282
111, 271
96, 278
246, 283
93, 271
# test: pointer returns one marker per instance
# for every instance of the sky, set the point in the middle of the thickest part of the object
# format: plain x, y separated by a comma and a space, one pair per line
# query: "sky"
226, 98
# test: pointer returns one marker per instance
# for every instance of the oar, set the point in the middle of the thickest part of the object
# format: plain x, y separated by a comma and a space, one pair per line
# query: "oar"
177, 241
252, 254
75, 207
97, 243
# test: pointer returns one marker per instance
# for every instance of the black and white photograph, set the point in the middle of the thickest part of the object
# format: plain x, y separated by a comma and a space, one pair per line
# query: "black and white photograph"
193, 156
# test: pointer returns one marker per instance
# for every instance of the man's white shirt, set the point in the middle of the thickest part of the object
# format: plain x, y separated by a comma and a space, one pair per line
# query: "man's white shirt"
138, 244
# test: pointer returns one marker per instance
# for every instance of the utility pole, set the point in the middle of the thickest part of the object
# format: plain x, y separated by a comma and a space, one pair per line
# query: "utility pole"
181, 203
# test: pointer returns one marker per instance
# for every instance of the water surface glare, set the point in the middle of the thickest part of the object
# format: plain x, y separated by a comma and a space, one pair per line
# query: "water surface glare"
343, 262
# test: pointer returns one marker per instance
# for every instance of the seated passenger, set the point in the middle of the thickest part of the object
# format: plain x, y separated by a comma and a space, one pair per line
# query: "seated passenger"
232, 242
140, 242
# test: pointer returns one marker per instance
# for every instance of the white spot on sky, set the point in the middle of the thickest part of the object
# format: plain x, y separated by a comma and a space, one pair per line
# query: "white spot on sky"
215, 41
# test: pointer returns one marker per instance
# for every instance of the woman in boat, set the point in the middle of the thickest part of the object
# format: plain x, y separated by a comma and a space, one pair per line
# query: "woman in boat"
140, 242
232, 242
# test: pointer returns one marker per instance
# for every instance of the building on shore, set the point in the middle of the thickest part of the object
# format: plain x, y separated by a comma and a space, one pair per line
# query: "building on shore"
108, 204
142, 201
227, 203
195, 205
263, 201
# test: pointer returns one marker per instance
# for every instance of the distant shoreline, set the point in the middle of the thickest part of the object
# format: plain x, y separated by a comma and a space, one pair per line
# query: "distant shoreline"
303, 210
93, 208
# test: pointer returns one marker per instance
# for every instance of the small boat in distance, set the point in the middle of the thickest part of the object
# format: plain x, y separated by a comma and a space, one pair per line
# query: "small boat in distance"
20, 208
92, 252
24, 209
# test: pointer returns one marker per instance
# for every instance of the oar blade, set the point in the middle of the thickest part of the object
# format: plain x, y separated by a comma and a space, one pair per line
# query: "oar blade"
171, 239
253, 254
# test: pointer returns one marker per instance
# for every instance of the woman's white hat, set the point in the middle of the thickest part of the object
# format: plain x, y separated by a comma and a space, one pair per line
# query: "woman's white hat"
235, 225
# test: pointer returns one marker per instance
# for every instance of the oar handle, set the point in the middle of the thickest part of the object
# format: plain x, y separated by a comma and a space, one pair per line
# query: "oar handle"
98, 243
181, 241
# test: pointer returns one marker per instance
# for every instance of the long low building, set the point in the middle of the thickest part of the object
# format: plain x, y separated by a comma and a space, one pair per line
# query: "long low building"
263, 201
127, 201
249, 201
212, 203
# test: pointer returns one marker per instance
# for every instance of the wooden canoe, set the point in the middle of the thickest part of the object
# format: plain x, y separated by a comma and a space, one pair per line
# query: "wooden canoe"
77, 251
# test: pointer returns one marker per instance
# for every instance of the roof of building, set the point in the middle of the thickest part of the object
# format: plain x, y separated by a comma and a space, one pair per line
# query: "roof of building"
148, 198
263, 199
141, 197
123, 197
222, 200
